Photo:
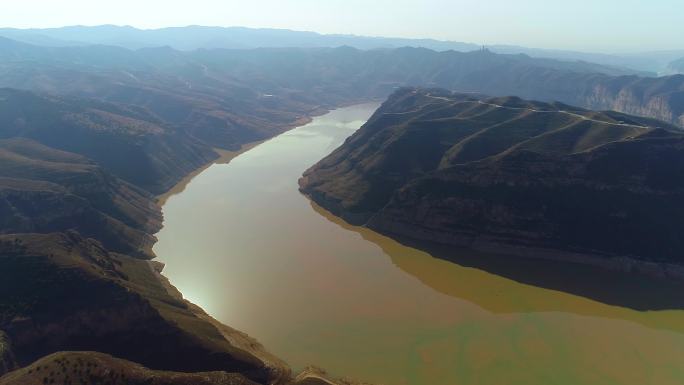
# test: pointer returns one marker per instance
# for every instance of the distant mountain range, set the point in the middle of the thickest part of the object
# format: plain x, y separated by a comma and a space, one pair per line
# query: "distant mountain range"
198, 37
178, 85
506, 175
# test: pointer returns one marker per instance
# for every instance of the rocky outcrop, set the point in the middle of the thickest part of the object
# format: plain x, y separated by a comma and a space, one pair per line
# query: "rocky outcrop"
508, 175
659, 98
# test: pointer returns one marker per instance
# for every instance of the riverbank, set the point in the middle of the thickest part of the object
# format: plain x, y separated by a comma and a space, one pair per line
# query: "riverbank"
223, 157
246, 348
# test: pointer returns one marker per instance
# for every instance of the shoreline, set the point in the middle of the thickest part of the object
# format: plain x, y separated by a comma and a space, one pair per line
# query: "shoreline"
224, 157
246, 346
239, 340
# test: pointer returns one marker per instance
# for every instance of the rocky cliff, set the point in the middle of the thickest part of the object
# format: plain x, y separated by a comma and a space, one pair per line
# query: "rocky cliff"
660, 98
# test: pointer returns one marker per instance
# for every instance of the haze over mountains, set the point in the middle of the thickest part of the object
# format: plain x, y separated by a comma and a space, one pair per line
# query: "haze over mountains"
97, 121
197, 37
200, 84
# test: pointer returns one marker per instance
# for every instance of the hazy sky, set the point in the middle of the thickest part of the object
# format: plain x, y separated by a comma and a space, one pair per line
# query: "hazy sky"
590, 25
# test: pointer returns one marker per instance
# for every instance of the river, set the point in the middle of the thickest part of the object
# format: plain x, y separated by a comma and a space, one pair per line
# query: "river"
244, 244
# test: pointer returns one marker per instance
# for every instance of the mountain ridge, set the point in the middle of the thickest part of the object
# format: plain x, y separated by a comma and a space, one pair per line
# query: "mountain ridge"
232, 96
194, 36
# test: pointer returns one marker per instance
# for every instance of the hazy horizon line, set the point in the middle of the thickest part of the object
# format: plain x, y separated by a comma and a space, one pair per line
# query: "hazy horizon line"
417, 38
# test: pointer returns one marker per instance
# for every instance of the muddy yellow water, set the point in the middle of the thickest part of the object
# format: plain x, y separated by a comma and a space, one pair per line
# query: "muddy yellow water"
244, 244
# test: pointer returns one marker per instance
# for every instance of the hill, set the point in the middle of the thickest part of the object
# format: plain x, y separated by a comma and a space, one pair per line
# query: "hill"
43, 190
512, 176
74, 247
112, 303
89, 367
129, 142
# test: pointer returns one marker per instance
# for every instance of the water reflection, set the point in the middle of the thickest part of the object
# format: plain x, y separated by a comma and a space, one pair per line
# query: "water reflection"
499, 295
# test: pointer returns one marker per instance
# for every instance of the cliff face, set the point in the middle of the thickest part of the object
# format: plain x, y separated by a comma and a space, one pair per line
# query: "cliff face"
659, 98
509, 175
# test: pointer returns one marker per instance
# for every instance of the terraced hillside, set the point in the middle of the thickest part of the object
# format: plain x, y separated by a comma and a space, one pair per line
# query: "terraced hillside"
510, 175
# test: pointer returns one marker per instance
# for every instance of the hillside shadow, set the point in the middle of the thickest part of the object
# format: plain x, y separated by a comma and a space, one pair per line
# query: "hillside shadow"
626, 289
